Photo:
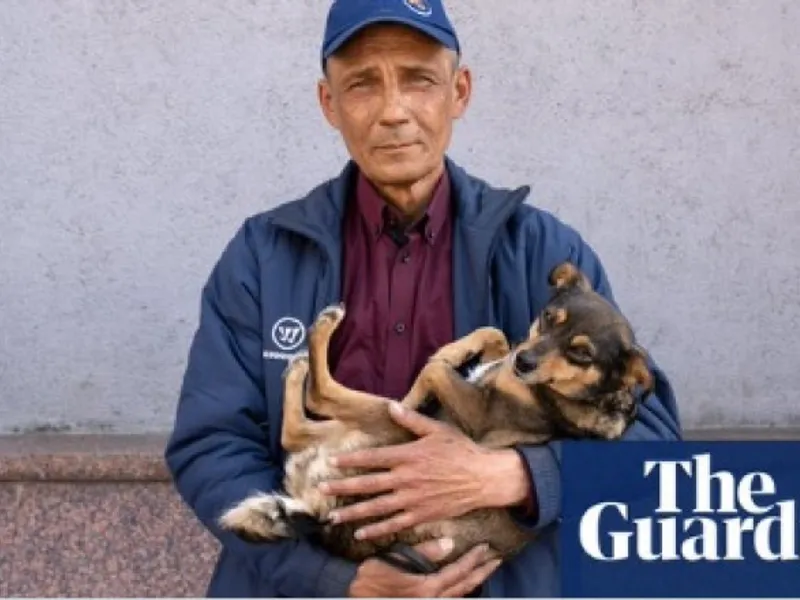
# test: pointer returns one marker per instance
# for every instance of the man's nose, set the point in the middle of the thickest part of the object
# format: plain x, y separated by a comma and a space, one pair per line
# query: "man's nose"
394, 110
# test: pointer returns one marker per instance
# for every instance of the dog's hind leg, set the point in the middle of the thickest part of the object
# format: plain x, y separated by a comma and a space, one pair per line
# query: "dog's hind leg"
299, 432
488, 342
269, 516
326, 397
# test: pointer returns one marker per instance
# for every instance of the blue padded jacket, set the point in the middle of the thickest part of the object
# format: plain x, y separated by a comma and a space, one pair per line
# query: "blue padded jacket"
278, 271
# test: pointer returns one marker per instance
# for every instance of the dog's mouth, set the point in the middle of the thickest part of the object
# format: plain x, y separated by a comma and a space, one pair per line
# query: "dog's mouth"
532, 377
525, 365
527, 376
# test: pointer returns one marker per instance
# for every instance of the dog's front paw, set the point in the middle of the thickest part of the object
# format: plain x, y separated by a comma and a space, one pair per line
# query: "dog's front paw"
259, 518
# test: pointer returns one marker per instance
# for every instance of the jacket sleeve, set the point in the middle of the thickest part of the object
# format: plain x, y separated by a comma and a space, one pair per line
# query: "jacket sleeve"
657, 418
218, 453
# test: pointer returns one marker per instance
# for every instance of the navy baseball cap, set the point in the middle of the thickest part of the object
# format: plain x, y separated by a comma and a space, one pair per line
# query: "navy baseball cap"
348, 17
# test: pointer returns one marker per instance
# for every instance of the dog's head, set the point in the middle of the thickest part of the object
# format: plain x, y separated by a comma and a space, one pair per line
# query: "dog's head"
581, 358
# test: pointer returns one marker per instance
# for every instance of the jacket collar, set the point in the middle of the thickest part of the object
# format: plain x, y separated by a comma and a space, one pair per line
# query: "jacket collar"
318, 215
481, 210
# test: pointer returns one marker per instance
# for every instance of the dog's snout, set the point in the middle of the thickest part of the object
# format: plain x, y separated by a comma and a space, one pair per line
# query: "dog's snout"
525, 363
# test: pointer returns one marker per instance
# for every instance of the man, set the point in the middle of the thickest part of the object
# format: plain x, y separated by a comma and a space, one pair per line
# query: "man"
421, 253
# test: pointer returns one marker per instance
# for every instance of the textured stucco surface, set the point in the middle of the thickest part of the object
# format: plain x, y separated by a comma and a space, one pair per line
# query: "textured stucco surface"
136, 135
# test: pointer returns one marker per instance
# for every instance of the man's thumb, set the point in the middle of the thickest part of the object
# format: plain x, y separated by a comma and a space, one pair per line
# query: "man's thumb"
412, 420
436, 550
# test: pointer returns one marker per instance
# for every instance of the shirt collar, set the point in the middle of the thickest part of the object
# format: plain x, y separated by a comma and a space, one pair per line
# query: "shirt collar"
378, 214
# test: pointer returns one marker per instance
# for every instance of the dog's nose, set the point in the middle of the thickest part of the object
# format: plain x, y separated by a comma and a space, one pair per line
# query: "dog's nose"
525, 363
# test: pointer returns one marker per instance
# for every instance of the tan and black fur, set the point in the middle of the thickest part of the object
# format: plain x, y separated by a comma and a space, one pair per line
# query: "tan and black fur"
575, 376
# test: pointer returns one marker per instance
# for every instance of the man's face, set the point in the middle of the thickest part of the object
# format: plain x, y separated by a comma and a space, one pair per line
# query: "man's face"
393, 94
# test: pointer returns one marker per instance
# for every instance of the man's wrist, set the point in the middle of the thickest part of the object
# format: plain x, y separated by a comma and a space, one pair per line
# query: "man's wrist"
353, 589
506, 481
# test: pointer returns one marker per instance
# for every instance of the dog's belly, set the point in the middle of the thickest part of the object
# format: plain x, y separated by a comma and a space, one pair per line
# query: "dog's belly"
307, 469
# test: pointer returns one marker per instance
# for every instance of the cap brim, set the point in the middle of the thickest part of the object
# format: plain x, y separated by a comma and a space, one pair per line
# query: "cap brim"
444, 38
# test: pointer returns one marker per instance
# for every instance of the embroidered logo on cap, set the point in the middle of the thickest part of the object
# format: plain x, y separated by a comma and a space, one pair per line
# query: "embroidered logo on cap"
421, 7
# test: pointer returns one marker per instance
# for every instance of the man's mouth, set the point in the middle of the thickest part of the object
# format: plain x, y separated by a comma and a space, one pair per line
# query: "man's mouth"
395, 146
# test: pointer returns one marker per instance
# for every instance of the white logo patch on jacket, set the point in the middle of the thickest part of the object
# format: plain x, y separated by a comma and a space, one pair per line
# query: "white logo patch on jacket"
288, 334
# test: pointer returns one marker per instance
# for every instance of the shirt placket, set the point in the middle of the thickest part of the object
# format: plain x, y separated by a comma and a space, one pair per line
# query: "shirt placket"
403, 284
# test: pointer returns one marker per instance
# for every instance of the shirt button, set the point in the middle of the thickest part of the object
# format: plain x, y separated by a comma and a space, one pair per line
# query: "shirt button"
406, 257
400, 328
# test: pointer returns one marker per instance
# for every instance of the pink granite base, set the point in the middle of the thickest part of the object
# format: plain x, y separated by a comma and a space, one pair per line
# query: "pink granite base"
8, 502
96, 517
103, 539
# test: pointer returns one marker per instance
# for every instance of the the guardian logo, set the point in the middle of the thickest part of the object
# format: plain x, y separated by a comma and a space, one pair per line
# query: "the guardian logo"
729, 518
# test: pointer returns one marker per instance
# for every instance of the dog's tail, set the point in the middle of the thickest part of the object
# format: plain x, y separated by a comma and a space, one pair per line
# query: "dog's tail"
267, 517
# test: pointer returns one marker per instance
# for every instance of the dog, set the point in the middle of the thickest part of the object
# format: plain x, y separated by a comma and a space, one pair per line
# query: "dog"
575, 376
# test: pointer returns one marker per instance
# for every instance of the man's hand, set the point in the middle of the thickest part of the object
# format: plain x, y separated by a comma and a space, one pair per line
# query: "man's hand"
441, 475
377, 579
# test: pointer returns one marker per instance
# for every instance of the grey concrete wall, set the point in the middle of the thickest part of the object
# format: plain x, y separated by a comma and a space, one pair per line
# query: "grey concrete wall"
136, 135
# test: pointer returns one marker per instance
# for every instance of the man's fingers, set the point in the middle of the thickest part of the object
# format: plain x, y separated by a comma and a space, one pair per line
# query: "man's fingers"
372, 483
458, 571
373, 458
376, 507
472, 581
395, 524
436, 550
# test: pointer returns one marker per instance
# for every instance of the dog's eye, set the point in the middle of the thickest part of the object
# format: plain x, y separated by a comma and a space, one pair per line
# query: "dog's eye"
549, 317
581, 355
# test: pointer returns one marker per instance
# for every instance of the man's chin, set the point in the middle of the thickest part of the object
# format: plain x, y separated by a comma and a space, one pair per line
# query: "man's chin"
399, 172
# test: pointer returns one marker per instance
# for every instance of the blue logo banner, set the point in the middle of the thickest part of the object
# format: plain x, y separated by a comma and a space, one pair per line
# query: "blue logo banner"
680, 519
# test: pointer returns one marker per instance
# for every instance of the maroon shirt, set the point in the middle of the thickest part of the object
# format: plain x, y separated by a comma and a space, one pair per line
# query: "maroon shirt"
398, 298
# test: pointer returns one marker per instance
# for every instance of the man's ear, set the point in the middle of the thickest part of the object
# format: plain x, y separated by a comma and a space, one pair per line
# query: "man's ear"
637, 372
567, 275
462, 85
325, 98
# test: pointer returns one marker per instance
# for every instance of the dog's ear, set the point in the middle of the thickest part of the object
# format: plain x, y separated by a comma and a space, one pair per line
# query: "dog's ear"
567, 275
637, 372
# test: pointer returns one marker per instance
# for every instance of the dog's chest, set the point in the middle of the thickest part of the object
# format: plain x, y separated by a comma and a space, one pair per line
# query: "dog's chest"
478, 372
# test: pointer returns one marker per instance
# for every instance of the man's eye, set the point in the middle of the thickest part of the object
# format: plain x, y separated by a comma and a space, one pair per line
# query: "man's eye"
361, 83
421, 79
